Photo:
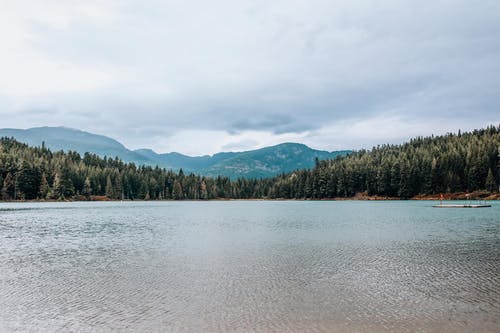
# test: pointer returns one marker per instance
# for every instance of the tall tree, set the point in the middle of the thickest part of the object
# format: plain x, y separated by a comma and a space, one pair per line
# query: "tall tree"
87, 188
109, 187
490, 182
8, 187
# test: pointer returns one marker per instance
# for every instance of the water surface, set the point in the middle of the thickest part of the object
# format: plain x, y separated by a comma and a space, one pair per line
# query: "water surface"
261, 266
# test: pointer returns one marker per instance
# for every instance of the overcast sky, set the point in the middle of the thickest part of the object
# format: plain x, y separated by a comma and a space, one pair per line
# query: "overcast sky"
199, 77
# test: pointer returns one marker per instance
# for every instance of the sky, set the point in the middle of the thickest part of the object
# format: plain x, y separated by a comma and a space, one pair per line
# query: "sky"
199, 77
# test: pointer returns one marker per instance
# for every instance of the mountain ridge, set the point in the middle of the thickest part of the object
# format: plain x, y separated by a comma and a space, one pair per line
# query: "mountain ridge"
258, 163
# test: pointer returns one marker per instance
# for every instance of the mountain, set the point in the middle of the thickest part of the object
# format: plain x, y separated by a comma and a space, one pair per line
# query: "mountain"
63, 138
453, 165
259, 163
269, 161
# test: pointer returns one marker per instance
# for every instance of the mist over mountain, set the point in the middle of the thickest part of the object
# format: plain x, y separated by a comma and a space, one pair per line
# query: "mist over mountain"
259, 163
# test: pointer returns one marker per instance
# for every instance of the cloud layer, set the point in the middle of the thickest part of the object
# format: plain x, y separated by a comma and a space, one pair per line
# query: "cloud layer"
199, 77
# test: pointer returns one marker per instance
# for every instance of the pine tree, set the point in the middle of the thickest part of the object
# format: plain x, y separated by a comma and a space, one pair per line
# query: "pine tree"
8, 187
87, 188
177, 193
203, 191
57, 190
118, 187
403, 189
28, 181
65, 187
490, 181
43, 192
109, 187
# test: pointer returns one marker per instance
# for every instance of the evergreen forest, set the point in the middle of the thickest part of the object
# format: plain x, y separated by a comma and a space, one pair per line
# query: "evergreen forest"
461, 162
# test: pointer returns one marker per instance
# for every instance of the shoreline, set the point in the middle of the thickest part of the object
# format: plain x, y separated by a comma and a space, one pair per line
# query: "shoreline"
457, 196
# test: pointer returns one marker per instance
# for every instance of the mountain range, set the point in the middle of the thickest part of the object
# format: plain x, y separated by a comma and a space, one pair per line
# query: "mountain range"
259, 163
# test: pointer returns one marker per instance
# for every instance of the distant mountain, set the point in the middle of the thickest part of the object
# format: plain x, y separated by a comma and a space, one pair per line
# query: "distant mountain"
269, 161
260, 163
63, 138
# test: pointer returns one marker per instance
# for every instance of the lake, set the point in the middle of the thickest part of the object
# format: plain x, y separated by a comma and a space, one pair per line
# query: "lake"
260, 266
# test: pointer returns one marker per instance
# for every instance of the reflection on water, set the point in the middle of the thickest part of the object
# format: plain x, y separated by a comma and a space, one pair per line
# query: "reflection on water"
241, 266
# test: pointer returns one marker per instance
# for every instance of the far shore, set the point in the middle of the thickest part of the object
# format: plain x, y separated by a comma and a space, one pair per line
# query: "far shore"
476, 195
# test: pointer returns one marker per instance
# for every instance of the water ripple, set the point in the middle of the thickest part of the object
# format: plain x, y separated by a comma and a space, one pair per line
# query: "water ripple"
249, 266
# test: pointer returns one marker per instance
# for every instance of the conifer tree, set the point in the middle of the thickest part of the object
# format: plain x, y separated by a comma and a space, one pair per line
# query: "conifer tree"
57, 190
490, 183
9, 187
203, 191
44, 187
177, 193
87, 188
109, 187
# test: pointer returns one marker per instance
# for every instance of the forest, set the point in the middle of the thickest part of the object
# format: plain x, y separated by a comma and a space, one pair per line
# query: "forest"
461, 162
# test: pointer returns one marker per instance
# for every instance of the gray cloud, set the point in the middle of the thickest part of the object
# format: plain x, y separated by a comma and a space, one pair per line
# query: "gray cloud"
137, 70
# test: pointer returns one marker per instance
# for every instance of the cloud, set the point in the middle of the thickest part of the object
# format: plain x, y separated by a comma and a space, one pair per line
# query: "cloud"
389, 128
151, 72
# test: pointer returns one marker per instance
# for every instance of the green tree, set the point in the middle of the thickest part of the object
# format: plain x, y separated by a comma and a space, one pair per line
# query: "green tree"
177, 192
28, 181
490, 181
57, 189
87, 188
203, 191
109, 187
8, 187
44, 187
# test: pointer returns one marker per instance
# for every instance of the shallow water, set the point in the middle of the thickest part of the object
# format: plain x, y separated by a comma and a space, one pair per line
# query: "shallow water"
261, 266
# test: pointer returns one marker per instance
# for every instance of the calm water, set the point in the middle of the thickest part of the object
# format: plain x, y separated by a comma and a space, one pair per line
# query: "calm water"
249, 266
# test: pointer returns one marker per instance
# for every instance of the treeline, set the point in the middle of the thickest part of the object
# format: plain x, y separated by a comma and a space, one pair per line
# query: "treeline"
450, 163
28, 173
460, 162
